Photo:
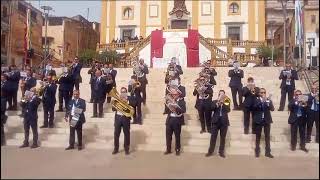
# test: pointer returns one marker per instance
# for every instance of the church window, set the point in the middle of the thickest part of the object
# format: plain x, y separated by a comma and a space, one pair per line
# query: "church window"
127, 13
234, 8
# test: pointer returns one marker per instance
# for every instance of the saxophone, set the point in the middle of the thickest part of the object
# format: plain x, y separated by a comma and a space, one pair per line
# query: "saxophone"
121, 105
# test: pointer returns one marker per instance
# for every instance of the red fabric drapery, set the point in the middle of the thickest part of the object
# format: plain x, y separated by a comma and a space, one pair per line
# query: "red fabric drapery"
192, 45
157, 43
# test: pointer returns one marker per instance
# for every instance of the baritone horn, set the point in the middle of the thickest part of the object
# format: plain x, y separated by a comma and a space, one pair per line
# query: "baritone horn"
121, 105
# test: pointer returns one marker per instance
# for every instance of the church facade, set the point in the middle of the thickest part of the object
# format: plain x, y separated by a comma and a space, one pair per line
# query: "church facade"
234, 19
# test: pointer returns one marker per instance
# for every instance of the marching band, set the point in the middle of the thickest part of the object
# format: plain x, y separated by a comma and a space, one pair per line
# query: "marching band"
213, 114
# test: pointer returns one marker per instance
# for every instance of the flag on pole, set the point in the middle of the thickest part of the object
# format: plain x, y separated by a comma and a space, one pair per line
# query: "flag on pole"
28, 34
298, 22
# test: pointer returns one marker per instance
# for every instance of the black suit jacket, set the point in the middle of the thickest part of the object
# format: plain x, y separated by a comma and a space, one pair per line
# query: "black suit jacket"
135, 96
203, 103
310, 102
99, 89
49, 95
81, 104
6, 88
293, 118
76, 71
294, 76
114, 75
66, 83
235, 80
30, 83
261, 108
216, 118
31, 109
249, 97
181, 110
14, 78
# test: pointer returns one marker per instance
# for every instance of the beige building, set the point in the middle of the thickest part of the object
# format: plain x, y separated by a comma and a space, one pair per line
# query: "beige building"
67, 37
235, 19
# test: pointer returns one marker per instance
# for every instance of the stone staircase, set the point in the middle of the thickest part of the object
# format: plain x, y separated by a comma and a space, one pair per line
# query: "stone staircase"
98, 132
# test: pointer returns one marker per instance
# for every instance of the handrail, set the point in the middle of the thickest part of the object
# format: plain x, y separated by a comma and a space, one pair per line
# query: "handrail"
304, 74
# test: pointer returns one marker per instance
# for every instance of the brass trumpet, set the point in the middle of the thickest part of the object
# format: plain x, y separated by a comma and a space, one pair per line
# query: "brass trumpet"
223, 99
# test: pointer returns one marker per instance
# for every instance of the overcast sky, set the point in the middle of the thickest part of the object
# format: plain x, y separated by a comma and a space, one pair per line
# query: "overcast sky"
71, 8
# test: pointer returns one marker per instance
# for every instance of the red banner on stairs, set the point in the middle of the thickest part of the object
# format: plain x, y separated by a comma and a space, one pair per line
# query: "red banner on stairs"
157, 43
192, 45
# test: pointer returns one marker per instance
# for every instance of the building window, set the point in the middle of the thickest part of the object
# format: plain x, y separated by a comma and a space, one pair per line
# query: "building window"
22, 8
234, 32
127, 13
313, 19
153, 11
234, 8
206, 8
4, 12
34, 16
127, 34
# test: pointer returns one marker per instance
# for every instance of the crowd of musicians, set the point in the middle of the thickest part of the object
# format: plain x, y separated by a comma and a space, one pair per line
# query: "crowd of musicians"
255, 102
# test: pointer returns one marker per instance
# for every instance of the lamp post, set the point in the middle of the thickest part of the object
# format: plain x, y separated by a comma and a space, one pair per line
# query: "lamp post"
46, 10
272, 39
284, 11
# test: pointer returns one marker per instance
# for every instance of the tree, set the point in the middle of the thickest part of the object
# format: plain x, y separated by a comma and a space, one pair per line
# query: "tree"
87, 55
108, 57
266, 52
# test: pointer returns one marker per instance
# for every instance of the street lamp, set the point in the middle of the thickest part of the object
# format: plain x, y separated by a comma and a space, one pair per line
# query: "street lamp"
46, 10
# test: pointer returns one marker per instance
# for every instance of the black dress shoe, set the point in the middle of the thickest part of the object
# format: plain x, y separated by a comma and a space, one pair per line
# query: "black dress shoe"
69, 148
115, 151
246, 131
293, 148
34, 146
127, 152
24, 145
222, 155
202, 131
177, 153
209, 154
79, 148
304, 149
269, 155
59, 110
257, 154
51, 126
167, 152
44, 126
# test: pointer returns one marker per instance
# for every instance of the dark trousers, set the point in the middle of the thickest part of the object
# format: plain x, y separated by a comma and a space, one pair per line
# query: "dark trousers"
214, 133
77, 128
91, 96
246, 120
205, 119
137, 117
12, 99
313, 117
3, 138
266, 128
124, 123
144, 93
234, 91
34, 126
48, 115
76, 84
173, 125
100, 106
64, 95
284, 92
301, 126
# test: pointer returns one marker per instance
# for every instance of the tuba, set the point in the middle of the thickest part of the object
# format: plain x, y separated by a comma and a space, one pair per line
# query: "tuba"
121, 105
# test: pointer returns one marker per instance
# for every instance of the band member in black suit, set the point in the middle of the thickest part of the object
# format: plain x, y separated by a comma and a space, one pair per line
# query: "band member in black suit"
4, 117
31, 118
204, 94
65, 88
298, 120
142, 78
113, 73
263, 119
178, 68
48, 101
122, 121
220, 122
175, 107
75, 71
134, 89
235, 85
287, 77
13, 79
27, 83
76, 119
48, 70
99, 92
211, 72
250, 92
92, 72
313, 113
